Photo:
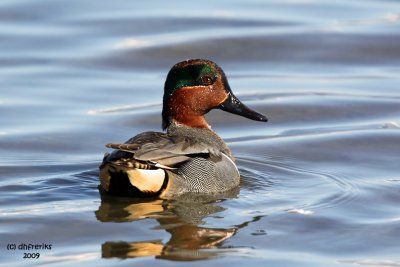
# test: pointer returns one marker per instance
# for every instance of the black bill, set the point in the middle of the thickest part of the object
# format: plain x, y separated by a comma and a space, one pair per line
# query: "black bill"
233, 105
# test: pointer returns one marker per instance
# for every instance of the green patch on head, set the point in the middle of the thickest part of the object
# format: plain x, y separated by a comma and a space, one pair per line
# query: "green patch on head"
189, 75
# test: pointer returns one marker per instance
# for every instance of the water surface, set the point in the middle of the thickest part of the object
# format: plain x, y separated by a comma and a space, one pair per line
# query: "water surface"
320, 181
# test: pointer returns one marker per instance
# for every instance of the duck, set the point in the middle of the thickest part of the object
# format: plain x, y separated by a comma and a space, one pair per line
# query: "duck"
188, 157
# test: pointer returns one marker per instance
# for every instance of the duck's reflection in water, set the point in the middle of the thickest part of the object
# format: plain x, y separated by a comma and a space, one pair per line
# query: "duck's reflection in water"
182, 218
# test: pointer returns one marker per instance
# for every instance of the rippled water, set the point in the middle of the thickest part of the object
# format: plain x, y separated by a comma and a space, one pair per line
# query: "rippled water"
320, 181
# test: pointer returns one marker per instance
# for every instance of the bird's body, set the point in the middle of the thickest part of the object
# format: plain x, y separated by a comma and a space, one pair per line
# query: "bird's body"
189, 157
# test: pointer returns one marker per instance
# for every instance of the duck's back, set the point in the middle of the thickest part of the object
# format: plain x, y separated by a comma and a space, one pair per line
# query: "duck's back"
180, 161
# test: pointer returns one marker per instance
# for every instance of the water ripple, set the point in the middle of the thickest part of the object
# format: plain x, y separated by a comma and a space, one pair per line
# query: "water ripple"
297, 183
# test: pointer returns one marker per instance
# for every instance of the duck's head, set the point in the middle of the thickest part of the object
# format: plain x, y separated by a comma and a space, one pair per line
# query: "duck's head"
194, 87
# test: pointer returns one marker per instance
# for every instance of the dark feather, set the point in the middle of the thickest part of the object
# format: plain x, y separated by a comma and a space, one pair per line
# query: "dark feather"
160, 148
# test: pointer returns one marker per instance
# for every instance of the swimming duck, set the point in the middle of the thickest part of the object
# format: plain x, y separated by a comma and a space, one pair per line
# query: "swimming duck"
189, 156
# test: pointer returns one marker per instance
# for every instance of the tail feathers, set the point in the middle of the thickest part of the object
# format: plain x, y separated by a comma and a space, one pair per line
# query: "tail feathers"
123, 181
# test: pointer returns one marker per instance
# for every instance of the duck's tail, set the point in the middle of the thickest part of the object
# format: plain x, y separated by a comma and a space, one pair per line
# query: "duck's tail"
133, 182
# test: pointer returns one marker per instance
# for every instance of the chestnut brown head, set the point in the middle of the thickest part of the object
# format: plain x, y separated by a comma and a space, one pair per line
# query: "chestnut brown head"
193, 88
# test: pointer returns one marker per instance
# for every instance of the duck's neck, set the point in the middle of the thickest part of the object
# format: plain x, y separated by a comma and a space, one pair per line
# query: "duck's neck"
205, 135
191, 121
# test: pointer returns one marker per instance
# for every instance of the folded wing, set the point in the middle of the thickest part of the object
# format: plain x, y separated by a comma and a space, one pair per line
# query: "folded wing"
161, 150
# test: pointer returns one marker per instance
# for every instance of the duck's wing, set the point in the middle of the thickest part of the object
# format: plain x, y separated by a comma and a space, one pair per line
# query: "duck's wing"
164, 150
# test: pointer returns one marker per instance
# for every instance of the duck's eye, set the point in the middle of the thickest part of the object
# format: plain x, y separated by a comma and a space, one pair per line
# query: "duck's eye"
206, 80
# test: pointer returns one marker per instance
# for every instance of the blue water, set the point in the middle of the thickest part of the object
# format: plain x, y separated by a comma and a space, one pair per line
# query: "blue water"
320, 181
